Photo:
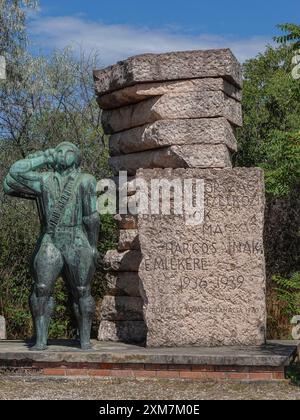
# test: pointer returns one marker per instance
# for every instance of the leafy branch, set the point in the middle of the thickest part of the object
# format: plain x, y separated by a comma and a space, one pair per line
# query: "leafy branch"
292, 35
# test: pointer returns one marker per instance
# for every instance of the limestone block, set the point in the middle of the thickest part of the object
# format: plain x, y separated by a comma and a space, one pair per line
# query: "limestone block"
204, 284
2, 328
207, 104
126, 222
132, 332
128, 202
122, 308
123, 284
126, 188
128, 240
122, 261
166, 133
140, 92
194, 156
169, 66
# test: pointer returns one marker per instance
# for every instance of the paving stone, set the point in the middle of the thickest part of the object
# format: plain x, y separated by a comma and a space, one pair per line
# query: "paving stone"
274, 354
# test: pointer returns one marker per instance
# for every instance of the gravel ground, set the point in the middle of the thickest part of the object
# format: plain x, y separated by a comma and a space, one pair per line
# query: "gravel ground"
14, 388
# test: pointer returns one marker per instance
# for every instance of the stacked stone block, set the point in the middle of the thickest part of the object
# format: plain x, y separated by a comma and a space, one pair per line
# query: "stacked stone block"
122, 308
174, 110
2, 328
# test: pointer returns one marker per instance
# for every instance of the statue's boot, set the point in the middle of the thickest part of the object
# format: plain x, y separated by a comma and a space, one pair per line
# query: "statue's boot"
84, 311
41, 309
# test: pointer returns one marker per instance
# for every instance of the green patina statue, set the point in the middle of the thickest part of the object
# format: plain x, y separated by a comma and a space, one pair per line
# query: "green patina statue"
66, 200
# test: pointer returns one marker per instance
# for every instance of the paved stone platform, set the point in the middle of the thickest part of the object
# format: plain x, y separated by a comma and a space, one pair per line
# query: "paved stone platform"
64, 358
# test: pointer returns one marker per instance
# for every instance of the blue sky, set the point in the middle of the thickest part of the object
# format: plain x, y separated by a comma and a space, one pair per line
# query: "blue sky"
119, 29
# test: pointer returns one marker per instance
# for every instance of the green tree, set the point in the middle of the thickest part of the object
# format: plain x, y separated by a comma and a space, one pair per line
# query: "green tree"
45, 100
13, 38
270, 137
53, 102
292, 35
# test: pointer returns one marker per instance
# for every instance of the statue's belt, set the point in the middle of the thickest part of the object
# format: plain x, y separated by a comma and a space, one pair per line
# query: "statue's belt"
61, 204
65, 231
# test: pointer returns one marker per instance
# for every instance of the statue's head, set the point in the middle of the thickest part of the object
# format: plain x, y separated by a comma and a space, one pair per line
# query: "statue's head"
67, 156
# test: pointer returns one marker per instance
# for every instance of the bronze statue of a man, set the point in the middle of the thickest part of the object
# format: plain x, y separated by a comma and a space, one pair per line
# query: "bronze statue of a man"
66, 200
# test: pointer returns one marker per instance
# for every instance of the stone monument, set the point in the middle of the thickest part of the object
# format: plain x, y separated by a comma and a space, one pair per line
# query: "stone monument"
2, 328
174, 116
66, 200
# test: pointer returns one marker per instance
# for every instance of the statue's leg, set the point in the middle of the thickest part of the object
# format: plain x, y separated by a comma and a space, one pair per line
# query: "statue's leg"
80, 268
47, 266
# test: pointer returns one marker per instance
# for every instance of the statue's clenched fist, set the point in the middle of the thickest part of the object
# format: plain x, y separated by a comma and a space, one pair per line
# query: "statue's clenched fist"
50, 156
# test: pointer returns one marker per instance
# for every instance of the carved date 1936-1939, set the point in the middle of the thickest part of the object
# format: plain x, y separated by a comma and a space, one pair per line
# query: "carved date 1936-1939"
228, 283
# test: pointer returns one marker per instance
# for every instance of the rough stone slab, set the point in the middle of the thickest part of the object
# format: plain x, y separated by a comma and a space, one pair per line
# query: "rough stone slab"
126, 188
166, 133
170, 66
128, 240
123, 261
122, 331
205, 284
123, 284
137, 93
2, 328
122, 308
193, 156
128, 203
126, 222
192, 105
275, 353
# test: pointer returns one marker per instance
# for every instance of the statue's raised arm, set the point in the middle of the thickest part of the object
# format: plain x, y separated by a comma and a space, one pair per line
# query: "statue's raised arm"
24, 179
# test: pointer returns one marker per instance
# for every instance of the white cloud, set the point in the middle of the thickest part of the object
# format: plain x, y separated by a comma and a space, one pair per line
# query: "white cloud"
116, 42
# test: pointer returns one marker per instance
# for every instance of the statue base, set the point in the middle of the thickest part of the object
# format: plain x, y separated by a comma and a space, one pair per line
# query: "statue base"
65, 359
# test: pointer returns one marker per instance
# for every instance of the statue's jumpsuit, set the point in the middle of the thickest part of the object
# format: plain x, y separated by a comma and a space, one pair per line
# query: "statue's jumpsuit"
68, 249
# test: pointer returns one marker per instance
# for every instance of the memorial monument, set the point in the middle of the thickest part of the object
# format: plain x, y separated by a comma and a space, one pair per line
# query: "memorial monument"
66, 200
174, 116
186, 285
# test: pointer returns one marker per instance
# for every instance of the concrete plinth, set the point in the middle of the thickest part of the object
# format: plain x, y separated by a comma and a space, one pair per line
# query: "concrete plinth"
265, 363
